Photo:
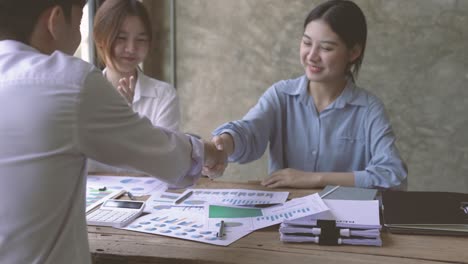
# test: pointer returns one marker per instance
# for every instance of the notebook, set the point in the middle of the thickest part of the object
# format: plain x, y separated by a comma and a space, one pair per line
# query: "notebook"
347, 193
434, 213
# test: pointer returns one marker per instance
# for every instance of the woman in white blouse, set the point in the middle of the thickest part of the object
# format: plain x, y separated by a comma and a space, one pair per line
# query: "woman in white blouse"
123, 34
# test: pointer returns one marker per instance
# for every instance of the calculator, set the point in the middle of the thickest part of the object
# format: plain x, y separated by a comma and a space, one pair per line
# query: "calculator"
115, 213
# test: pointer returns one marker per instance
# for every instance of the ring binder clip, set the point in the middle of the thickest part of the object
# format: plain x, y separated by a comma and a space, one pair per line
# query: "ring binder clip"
464, 207
329, 233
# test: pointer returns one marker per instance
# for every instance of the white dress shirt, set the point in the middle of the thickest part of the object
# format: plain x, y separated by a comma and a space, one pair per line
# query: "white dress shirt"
56, 111
157, 101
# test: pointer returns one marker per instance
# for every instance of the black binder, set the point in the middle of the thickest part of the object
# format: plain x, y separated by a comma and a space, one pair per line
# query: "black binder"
432, 213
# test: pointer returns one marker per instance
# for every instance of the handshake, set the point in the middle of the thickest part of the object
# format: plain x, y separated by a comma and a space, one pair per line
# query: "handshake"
216, 154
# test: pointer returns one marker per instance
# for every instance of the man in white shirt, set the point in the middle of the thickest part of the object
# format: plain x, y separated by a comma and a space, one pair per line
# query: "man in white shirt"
56, 111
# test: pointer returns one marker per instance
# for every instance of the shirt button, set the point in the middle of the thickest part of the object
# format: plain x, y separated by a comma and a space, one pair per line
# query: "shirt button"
314, 152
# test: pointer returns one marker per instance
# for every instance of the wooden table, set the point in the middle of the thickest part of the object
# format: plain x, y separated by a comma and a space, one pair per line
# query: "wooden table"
109, 245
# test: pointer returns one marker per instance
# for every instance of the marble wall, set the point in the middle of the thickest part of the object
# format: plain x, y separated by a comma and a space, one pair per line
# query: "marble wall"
229, 52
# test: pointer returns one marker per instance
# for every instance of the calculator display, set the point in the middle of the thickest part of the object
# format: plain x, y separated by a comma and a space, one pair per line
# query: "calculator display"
123, 204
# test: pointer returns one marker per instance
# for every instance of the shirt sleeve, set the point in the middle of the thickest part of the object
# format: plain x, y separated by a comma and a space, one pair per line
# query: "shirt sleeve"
252, 134
385, 168
110, 132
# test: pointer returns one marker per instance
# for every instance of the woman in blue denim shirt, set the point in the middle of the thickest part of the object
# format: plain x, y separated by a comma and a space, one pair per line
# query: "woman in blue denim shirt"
321, 128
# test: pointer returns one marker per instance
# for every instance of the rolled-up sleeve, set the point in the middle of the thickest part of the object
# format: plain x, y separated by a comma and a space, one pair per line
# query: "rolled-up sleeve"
252, 134
385, 168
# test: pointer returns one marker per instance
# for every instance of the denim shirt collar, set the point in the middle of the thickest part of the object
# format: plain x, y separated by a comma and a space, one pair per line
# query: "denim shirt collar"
351, 94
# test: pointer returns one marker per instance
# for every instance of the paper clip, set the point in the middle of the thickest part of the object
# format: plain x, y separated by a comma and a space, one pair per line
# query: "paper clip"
221, 229
464, 207
131, 196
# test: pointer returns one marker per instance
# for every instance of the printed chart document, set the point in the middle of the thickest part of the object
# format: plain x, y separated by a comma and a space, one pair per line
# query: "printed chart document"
160, 201
234, 197
95, 196
256, 218
187, 220
346, 213
183, 225
201, 197
135, 185
299, 207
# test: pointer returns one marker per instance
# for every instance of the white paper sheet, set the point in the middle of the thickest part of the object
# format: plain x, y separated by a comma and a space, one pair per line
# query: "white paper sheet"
347, 213
183, 225
95, 197
234, 197
201, 197
296, 208
135, 185
162, 201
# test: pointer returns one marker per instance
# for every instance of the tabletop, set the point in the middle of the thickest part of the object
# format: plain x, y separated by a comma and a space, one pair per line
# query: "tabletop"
110, 245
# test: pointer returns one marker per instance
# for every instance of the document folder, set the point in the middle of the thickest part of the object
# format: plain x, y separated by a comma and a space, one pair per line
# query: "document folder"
434, 213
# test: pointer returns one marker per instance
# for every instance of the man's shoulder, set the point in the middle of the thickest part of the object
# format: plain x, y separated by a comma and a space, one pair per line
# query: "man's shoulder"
69, 67
27, 65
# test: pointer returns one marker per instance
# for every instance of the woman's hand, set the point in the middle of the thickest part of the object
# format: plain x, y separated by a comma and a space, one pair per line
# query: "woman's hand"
292, 178
126, 89
215, 161
223, 145
302, 179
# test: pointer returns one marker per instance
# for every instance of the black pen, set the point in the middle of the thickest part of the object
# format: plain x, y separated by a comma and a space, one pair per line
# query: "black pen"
183, 198
131, 196
221, 229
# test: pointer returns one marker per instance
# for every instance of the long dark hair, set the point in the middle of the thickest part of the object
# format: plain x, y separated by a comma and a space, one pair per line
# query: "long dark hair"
347, 20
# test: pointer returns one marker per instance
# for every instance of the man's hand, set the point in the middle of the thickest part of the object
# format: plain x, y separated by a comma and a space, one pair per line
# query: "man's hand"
223, 146
224, 142
215, 161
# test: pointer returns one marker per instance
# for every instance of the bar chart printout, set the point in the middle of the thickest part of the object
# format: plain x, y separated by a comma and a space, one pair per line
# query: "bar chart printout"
311, 204
135, 185
235, 197
183, 225
256, 218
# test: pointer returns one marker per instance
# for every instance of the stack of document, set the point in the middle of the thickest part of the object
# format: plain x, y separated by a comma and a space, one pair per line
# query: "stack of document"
346, 222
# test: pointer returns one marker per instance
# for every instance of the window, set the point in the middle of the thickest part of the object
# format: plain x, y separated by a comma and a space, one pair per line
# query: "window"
84, 50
